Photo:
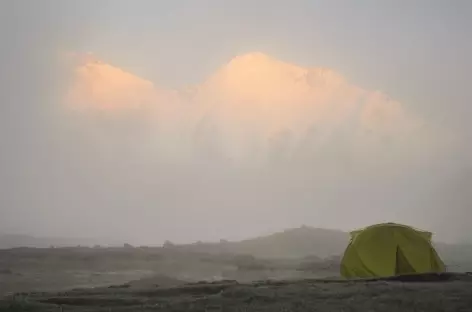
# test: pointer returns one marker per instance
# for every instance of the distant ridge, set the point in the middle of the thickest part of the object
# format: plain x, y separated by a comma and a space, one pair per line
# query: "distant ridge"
291, 243
300, 242
306, 241
21, 240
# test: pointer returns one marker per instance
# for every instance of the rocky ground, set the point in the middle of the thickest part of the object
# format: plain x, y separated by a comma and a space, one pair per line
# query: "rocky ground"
449, 293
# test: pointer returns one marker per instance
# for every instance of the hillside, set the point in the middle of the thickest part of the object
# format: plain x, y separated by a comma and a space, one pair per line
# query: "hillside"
291, 243
289, 254
304, 241
308, 241
295, 243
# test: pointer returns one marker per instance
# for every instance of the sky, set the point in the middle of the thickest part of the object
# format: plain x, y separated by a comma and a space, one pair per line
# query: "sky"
200, 120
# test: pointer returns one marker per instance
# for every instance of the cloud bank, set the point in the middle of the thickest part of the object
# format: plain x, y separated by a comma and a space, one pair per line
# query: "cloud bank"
252, 105
258, 146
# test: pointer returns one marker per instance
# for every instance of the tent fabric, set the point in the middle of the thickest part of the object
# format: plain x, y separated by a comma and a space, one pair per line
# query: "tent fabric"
389, 249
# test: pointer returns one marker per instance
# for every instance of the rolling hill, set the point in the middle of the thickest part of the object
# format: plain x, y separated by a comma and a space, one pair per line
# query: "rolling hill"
304, 241
308, 241
291, 243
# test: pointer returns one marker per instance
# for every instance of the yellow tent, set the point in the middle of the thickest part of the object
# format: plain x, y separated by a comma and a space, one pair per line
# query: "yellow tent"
389, 249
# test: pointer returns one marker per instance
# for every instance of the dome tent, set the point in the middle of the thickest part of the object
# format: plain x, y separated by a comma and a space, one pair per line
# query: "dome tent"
389, 249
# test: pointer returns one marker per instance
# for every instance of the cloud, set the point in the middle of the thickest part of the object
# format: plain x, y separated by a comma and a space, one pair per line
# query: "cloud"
100, 86
255, 106
257, 138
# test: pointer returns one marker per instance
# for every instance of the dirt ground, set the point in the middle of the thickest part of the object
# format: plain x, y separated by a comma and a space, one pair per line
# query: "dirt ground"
301, 295
120, 279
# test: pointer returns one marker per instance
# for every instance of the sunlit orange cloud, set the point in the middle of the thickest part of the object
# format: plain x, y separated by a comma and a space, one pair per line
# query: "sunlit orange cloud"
104, 87
259, 89
252, 98
257, 96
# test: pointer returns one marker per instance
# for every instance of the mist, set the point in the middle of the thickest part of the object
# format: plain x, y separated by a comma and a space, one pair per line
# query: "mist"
94, 145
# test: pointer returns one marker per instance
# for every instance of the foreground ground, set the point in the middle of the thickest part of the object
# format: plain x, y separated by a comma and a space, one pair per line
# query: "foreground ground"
56, 269
162, 279
302, 295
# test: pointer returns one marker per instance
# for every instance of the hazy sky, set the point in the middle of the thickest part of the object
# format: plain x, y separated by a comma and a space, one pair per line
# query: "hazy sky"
124, 174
